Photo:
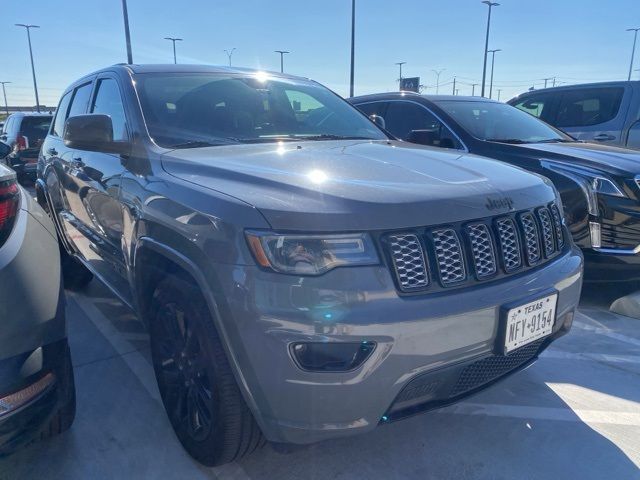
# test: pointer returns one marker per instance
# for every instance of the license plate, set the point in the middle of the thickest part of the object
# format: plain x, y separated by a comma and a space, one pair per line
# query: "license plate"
530, 322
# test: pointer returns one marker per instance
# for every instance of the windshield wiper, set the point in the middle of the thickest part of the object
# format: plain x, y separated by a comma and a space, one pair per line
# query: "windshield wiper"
329, 136
507, 140
556, 140
201, 143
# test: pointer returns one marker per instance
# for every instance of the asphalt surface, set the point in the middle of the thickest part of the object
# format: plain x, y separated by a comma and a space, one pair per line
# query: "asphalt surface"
575, 414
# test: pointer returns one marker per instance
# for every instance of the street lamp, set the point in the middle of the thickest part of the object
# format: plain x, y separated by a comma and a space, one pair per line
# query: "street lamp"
486, 44
4, 93
282, 54
438, 72
493, 59
633, 51
473, 89
173, 40
353, 46
400, 81
33, 68
230, 53
127, 35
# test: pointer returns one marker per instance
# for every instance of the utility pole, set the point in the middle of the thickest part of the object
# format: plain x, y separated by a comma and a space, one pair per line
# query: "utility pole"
547, 79
230, 53
127, 34
493, 60
454, 86
499, 90
400, 78
473, 89
438, 72
4, 93
353, 46
33, 68
174, 40
486, 44
282, 54
633, 50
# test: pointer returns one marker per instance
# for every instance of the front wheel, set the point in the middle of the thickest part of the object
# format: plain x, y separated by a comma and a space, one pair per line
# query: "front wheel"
199, 392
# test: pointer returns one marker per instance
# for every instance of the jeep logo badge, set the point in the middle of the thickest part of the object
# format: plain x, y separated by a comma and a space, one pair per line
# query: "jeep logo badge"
499, 203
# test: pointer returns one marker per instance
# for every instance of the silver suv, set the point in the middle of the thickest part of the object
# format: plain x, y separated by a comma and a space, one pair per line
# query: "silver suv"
302, 275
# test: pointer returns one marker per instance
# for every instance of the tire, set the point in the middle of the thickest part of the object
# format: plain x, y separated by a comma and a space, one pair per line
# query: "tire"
64, 416
75, 275
198, 389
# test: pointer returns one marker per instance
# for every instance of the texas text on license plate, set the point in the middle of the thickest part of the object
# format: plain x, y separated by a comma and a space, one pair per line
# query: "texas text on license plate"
530, 322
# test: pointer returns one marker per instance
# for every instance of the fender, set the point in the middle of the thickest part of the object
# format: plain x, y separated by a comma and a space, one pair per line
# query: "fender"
192, 269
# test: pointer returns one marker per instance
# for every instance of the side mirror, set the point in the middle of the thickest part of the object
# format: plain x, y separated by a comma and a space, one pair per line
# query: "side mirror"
378, 120
4, 149
93, 132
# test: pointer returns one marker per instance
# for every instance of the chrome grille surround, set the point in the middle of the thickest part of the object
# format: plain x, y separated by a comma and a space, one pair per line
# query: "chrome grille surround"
548, 233
409, 261
557, 224
484, 258
531, 238
509, 243
449, 256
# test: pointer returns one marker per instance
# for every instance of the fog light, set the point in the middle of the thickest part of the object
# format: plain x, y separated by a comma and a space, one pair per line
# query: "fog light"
594, 230
331, 357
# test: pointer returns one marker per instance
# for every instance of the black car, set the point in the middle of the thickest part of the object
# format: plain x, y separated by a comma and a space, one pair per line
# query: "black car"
599, 184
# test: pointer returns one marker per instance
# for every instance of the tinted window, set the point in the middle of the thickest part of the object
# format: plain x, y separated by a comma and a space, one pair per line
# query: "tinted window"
109, 102
80, 100
588, 106
537, 105
375, 108
414, 123
495, 121
61, 115
221, 109
35, 129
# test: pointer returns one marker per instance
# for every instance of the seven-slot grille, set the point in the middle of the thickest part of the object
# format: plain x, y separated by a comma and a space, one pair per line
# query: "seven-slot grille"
488, 247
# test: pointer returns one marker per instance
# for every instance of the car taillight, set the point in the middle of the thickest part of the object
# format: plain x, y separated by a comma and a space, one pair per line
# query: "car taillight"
9, 200
21, 142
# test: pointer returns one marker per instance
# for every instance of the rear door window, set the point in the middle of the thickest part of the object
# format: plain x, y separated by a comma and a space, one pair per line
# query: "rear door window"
80, 100
539, 105
588, 106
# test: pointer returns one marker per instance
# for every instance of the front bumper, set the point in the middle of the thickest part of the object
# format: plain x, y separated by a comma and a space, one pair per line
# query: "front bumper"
263, 313
611, 265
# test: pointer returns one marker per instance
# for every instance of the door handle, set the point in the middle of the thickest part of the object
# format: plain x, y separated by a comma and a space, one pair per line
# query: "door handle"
52, 151
603, 137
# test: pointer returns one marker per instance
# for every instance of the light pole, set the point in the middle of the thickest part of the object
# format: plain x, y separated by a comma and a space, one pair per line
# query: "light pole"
33, 68
353, 46
493, 60
4, 93
486, 44
400, 81
499, 90
127, 35
473, 89
633, 50
282, 54
230, 53
438, 72
173, 40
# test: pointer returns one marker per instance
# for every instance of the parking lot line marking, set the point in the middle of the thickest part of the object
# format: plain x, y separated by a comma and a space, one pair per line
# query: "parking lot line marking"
544, 413
593, 357
607, 333
127, 352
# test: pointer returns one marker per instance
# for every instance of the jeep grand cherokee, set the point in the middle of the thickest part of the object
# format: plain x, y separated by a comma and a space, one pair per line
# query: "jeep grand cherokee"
302, 275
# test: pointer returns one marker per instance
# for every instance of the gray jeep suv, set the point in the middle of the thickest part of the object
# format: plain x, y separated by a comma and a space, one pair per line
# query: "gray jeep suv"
302, 275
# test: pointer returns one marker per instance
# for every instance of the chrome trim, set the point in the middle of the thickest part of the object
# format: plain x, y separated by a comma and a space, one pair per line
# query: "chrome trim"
615, 251
465, 148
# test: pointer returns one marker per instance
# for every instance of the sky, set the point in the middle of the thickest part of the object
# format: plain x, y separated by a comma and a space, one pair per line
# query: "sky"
576, 41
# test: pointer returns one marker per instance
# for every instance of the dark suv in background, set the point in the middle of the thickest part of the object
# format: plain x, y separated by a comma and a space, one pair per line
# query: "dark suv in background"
606, 112
25, 132
303, 276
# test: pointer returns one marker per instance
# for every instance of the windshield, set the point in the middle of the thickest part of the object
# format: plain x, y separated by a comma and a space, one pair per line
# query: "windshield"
35, 129
499, 122
191, 110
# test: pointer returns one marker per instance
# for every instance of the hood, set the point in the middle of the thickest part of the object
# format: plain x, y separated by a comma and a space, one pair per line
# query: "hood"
359, 185
614, 160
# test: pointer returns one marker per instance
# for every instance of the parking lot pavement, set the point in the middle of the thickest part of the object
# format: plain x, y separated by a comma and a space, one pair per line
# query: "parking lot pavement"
573, 414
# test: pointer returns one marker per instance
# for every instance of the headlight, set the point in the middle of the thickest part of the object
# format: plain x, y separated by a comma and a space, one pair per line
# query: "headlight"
311, 254
591, 183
